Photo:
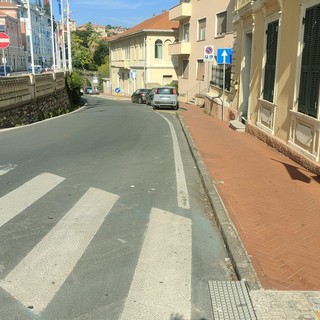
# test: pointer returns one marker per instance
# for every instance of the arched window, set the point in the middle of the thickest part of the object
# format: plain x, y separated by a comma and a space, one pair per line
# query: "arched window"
158, 49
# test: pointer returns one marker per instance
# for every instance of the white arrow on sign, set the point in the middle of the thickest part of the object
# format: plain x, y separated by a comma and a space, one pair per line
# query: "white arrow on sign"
224, 55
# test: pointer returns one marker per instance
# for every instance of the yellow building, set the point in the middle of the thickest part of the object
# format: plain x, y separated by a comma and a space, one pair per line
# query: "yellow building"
139, 57
277, 74
203, 25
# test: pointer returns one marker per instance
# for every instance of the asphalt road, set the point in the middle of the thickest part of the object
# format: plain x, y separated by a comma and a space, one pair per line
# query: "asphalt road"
103, 216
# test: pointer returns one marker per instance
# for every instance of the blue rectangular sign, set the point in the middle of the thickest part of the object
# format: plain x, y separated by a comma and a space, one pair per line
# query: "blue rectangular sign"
224, 56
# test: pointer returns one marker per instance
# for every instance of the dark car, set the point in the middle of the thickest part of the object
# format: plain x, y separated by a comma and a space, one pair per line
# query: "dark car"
5, 71
139, 95
163, 97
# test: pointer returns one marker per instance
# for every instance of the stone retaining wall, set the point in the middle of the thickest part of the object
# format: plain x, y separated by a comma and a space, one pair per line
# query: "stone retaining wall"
28, 99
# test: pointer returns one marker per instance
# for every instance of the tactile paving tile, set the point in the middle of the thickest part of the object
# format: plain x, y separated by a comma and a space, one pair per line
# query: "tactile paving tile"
231, 301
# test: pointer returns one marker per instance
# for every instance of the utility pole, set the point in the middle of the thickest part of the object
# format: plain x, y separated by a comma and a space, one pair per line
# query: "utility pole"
30, 36
69, 37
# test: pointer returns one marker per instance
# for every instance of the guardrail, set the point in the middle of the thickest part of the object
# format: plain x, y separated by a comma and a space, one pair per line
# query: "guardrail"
23, 89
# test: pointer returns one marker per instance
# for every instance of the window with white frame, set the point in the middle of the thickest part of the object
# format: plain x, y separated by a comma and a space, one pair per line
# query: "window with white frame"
202, 29
308, 101
185, 30
158, 48
200, 70
221, 20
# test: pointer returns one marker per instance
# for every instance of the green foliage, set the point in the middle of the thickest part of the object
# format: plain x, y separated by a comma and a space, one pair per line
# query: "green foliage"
74, 85
101, 53
103, 70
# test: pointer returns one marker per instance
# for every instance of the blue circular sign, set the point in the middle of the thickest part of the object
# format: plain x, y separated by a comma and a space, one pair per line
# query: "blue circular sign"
117, 90
209, 50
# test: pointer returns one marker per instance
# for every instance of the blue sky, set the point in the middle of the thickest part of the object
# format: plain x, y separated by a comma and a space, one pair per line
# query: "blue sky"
126, 13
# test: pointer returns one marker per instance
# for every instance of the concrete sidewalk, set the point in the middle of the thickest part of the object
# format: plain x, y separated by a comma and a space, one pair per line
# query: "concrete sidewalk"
268, 210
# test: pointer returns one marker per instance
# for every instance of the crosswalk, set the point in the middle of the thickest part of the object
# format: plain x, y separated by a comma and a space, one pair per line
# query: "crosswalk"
161, 283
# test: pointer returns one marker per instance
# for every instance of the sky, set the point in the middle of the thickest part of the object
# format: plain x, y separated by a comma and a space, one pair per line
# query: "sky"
125, 13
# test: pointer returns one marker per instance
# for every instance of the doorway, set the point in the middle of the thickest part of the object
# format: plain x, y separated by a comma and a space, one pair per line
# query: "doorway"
245, 76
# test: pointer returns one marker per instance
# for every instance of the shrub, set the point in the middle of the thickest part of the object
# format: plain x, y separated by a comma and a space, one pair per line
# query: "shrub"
74, 85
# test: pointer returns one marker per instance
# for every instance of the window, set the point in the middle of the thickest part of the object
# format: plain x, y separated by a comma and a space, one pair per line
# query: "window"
217, 76
127, 52
271, 60
185, 69
200, 70
310, 66
158, 49
202, 29
186, 28
221, 23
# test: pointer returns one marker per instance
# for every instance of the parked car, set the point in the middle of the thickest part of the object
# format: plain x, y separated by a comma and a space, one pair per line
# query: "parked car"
6, 71
88, 90
139, 96
163, 97
37, 69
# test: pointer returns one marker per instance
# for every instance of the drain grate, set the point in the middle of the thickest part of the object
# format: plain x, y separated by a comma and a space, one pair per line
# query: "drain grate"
231, 301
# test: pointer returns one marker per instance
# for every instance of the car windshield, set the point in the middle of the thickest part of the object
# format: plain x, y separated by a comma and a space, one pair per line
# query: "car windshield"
166, 91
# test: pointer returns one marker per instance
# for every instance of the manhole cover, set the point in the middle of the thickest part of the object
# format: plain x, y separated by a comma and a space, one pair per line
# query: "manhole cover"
231, 301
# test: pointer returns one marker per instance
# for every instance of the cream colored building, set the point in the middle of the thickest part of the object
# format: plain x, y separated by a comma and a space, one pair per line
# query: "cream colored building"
10, 24
277, 71
140, 56
202, 24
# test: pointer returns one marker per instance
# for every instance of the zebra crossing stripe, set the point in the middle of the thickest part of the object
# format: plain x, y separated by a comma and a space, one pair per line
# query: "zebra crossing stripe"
21, 198
5, 169
161, 286
38, 277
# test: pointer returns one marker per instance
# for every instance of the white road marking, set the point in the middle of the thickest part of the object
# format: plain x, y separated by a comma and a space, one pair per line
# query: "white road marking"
38, 277
161, 286
19, 199
182, 190
5, 169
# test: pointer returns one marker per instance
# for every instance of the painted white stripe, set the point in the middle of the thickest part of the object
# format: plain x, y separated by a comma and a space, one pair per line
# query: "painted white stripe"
182, 190
38, 277
161, 286
5, 169
21, 198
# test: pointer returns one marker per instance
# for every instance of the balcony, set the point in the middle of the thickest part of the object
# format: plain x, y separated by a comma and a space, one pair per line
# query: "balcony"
180, 12
122, 64
180, 48
242, 3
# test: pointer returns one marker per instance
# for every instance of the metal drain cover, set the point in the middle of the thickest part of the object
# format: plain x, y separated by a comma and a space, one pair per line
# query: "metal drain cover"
231, 301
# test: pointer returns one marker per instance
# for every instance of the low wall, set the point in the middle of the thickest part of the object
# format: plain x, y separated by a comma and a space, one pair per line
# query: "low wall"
31, 98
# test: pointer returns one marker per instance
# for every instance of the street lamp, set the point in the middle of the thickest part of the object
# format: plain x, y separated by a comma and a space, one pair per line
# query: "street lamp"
30, 37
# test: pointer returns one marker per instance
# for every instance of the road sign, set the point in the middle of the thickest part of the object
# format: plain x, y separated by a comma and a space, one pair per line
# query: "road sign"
4, 40
224, 56
208, 53
117, 90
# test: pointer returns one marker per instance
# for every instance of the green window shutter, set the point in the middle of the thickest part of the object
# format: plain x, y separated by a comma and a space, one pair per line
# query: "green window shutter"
310, 67
270, 67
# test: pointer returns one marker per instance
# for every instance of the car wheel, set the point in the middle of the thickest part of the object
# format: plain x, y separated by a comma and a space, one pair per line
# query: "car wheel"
176, 107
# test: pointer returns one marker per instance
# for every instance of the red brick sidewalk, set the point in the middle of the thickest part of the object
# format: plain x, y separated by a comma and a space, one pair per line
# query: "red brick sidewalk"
273, 202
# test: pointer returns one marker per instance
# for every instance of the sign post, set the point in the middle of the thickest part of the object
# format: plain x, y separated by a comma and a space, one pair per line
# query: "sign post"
4, 43
224, 56
208, 56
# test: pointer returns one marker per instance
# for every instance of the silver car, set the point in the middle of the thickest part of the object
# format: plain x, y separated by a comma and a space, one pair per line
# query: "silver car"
163, 97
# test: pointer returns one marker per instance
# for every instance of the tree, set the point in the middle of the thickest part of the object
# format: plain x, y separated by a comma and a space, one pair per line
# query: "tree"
101, 53
81, 56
